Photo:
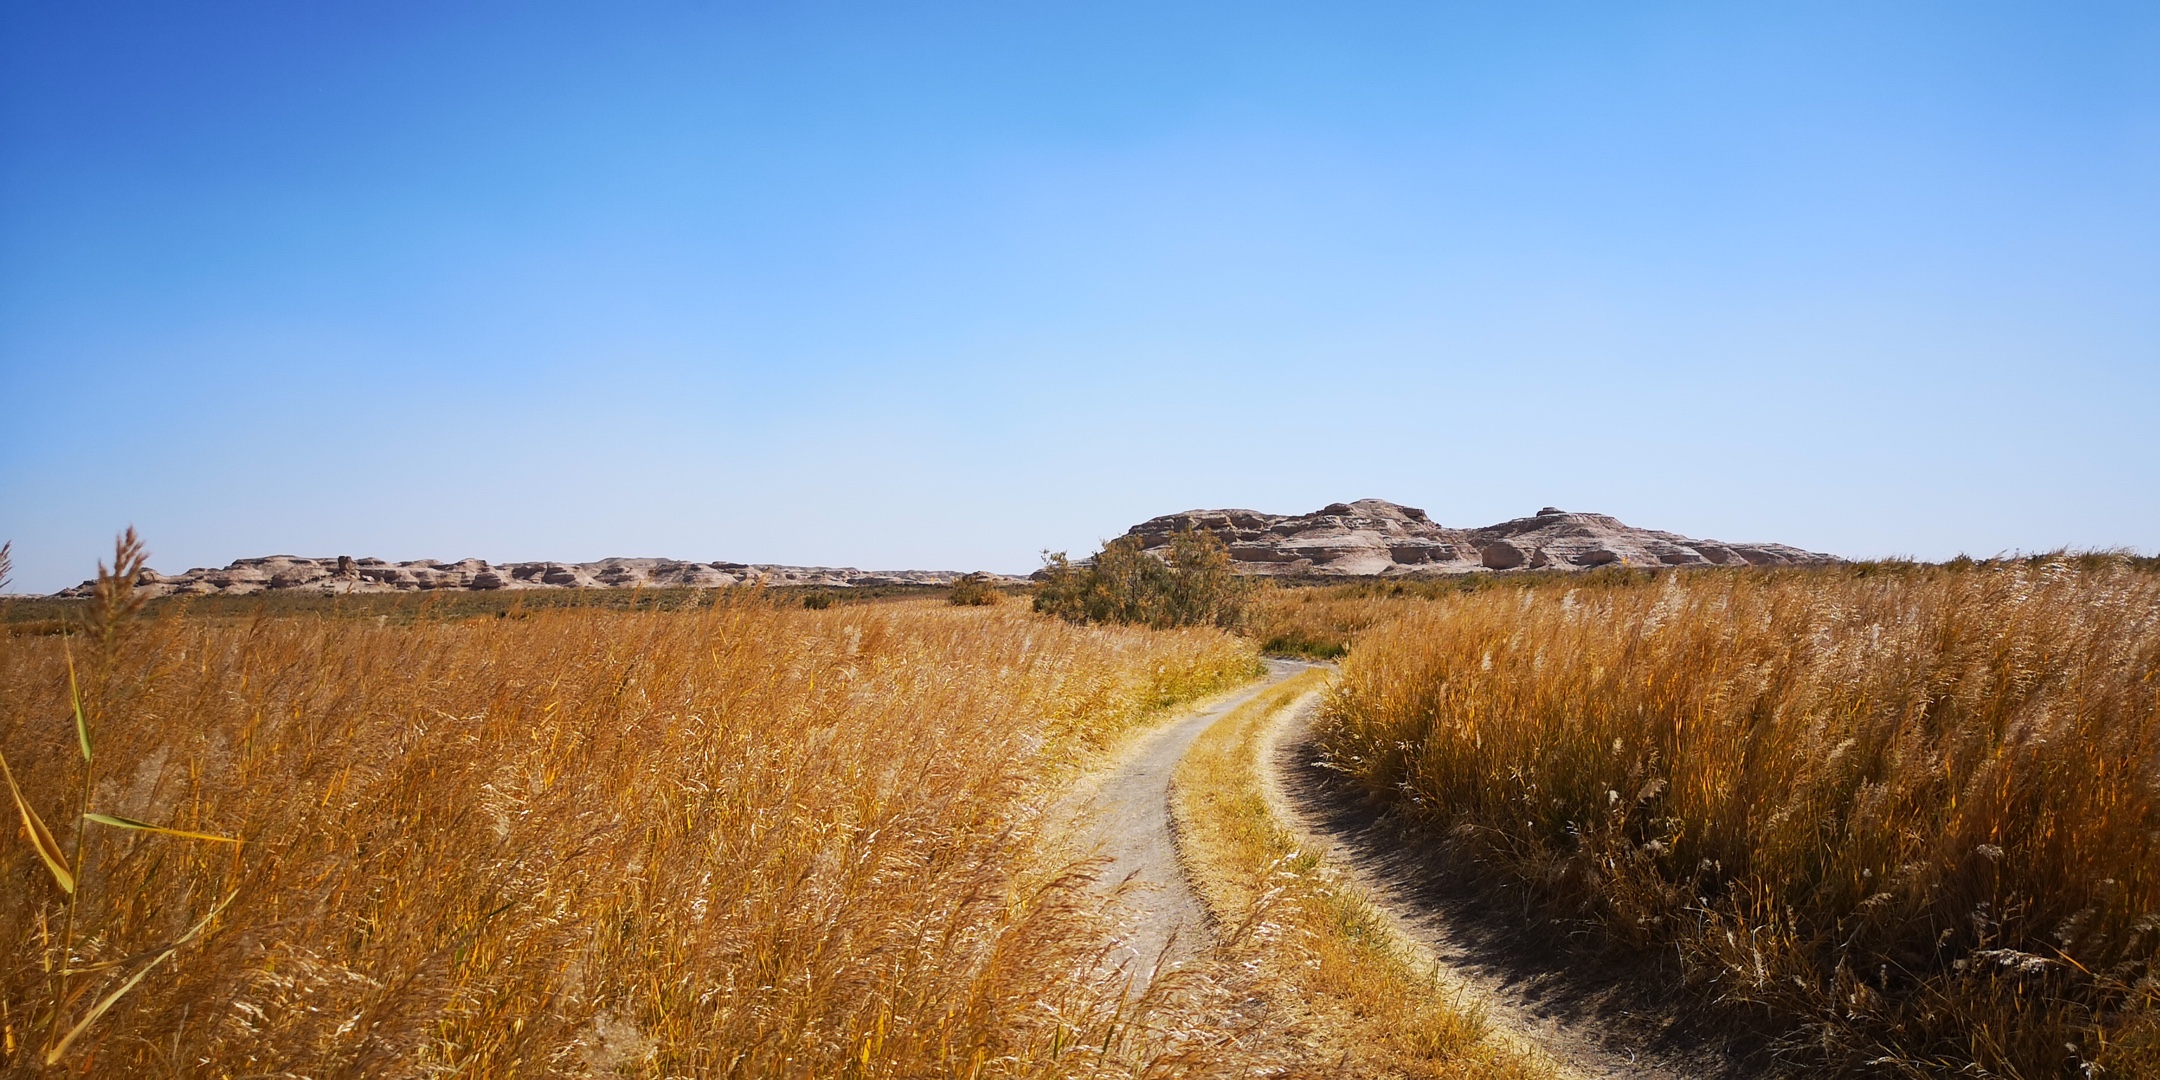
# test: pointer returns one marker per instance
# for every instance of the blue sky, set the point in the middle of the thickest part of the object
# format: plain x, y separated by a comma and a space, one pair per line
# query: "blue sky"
941, 286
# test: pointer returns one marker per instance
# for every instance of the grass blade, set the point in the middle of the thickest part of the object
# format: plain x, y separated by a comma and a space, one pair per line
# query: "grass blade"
106, 1003
41, 837
82, 726
53, 1055
118, 822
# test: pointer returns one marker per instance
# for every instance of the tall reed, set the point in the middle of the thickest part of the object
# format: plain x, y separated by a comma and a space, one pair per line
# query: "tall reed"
745, 839
1912, 812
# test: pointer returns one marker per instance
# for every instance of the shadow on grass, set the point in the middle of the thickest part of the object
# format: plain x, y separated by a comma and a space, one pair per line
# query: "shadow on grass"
1558, 970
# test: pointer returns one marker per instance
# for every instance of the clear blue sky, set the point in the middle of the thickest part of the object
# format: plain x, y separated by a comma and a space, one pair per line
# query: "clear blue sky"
939, 286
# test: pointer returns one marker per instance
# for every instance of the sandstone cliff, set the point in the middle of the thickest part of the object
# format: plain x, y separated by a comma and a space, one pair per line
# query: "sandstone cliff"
1374, 537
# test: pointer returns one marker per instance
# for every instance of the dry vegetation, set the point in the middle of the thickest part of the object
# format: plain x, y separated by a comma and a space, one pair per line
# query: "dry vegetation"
1194, 585
1316, 623
974, 590
1345, 986
1911, 815
740, 838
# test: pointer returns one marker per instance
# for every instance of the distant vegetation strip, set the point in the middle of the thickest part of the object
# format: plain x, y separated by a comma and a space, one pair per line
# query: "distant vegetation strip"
1317, 949
53, 615
731, 838
1911, 812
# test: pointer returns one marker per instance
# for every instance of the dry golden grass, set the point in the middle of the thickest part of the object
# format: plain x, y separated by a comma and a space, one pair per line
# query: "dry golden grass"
744, 839
1912, 813
1323, 621
1320, 623
1314, 946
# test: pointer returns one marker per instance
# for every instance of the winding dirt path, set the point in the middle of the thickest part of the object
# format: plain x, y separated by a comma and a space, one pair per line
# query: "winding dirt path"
1128, 808
1584, 1020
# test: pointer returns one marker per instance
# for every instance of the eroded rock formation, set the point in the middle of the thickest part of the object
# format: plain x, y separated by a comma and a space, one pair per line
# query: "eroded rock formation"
1370, 537
1374, 537
345, 574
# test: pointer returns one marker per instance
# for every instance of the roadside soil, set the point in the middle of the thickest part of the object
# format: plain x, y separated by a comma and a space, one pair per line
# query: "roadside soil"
1594, 1016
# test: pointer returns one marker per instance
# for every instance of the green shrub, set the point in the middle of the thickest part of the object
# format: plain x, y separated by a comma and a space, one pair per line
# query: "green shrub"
1123, 583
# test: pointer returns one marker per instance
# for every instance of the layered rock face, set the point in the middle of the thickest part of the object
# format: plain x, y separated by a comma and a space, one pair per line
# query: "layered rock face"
348, 575
1374, 537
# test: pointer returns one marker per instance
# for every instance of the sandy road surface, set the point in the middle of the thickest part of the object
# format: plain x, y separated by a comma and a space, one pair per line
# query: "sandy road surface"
1129, 811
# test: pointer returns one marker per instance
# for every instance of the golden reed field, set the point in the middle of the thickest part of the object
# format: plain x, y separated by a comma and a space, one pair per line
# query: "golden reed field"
738, 838
1908, 816
1905, 819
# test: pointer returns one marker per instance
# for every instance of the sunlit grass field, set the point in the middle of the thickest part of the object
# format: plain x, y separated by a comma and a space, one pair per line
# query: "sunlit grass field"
1905, 817
1908, 816
732, 837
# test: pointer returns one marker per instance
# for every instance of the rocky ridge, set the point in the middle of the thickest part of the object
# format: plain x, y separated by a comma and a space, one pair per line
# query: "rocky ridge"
1377, 538
1367, 538
344, 574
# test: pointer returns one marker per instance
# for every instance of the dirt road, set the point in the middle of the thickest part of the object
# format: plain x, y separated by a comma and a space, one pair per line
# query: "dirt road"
1130, 811
1582, 1021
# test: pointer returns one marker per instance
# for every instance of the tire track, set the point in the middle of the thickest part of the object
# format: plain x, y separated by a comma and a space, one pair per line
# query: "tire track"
1128, 809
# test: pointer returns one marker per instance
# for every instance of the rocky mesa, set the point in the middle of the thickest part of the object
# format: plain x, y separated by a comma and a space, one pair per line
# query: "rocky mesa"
1367, 538
344, 574
1378, 538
